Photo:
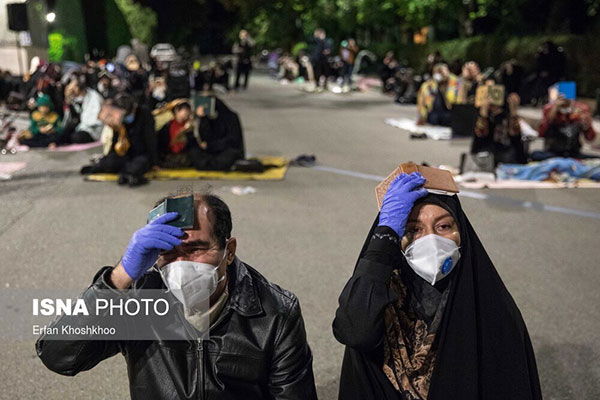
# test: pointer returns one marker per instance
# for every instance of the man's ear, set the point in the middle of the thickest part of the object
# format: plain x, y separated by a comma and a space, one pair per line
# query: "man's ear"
231, 248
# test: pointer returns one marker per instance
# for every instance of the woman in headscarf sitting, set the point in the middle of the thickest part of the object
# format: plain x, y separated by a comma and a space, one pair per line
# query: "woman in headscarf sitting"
221, 139
425, 314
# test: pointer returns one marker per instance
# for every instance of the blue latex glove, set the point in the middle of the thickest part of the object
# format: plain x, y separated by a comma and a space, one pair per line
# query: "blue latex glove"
147, 242
399, 200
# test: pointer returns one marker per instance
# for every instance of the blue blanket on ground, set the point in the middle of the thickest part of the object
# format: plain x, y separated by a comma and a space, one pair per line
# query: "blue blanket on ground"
566, 168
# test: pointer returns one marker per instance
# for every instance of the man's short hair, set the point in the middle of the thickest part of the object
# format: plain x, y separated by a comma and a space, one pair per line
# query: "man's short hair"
222, 224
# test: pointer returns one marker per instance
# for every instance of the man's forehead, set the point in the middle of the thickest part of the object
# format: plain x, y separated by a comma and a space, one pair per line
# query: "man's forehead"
202, 221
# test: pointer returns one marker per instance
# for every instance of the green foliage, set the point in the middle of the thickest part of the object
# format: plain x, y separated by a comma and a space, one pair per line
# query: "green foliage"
62, 47
283, 22
67, 39
141, 20
55, 47
118, 33
299, 47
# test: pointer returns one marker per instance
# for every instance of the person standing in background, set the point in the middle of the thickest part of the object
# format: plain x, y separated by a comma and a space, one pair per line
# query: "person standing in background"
348, 52
243, 50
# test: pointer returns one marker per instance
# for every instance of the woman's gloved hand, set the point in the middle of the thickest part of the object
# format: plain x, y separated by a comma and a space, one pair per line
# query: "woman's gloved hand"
147, 242
399, 200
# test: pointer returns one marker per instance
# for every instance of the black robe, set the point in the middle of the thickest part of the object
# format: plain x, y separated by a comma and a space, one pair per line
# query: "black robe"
223, 132
483, 350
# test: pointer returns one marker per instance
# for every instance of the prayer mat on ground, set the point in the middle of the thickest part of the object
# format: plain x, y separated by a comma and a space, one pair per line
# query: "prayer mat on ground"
272, 174
9, 168
77, 147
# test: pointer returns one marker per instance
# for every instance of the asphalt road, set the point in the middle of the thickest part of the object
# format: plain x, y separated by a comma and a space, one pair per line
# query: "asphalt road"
304, 233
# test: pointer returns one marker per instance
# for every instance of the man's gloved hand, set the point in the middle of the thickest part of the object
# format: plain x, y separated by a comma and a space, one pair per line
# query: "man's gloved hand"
147, 242
399, 200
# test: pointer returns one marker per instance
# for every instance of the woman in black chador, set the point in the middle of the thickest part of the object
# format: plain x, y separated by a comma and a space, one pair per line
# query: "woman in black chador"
425, 314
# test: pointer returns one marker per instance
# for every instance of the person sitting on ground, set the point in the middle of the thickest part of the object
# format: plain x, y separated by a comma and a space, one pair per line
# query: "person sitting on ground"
157, 90
510, 74
436, 97
387, 72
218, 73
498, 132
82, 106
222, 141
48, 82
406, 86
176, 137
90, 73
255, 346
136, 77
288, 69
563, 125
425, 314
467, 84
105, 86
177, 81
44, 125
134, 150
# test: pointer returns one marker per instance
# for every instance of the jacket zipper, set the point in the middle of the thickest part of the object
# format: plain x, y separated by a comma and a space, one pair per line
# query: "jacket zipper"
200, 354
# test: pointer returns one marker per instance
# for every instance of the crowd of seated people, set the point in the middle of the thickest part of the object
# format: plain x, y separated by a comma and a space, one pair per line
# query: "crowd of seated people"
317, 63
65, 103
497, 128
443, 88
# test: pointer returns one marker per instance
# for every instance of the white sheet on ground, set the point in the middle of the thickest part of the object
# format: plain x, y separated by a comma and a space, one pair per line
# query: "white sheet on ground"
432, 132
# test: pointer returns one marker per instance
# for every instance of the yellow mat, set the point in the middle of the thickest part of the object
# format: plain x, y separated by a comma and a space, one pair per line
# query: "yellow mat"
271, 174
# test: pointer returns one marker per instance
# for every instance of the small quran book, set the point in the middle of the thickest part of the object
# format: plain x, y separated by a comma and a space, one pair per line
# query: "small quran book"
438, 181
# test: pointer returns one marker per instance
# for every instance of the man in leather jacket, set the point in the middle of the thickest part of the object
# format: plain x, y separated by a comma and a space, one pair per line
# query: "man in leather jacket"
257, 347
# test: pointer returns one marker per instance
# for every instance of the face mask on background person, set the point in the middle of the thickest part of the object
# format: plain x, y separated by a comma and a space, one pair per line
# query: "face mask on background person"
129, 118
432, 257
192, 282
159, 93
566, 109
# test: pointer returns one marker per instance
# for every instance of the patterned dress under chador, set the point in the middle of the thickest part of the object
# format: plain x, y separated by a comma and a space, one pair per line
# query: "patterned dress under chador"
409, 351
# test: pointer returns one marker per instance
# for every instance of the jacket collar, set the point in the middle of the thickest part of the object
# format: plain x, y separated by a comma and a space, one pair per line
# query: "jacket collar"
243, 294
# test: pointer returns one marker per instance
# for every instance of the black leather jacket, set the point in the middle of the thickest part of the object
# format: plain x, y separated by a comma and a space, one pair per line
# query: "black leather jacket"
257, 348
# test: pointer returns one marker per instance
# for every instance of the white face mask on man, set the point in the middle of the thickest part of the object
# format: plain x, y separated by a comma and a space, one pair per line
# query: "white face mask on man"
192, 283
432, 257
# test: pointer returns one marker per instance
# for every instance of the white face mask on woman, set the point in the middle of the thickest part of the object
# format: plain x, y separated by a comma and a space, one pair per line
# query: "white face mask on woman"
432, 257
192, 283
